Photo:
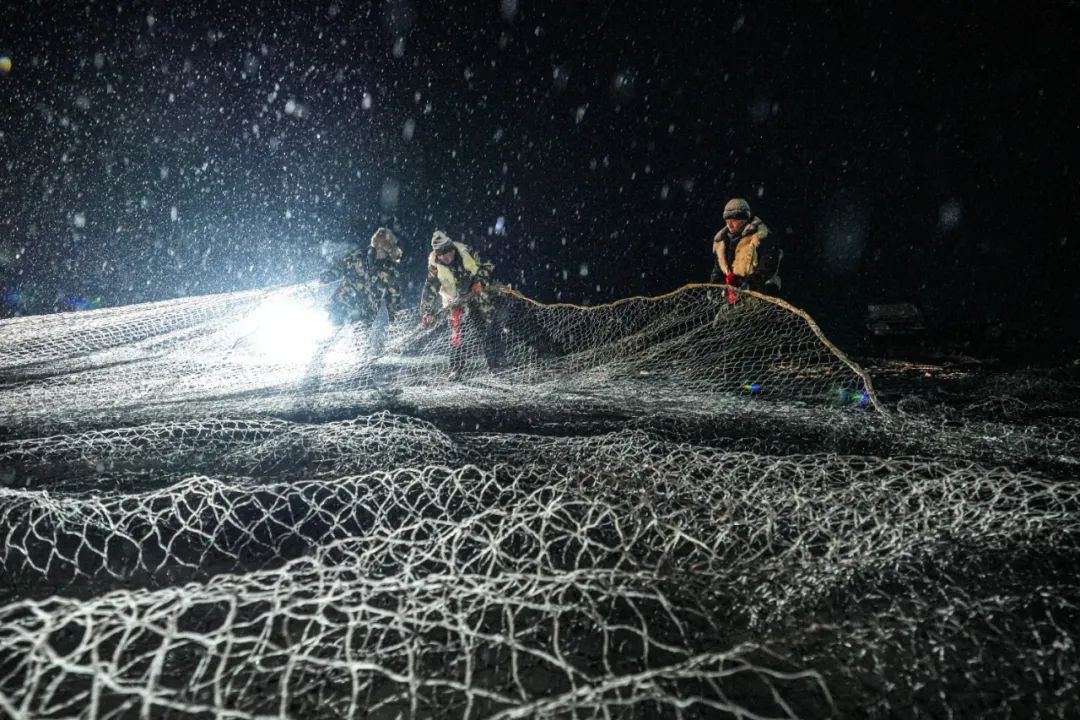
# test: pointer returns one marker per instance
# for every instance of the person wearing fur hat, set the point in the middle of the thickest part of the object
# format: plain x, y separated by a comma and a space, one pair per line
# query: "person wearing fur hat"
370, 276
744, 257
456, 274
462, 279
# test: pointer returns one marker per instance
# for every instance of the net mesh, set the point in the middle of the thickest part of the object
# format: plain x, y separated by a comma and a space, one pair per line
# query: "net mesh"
263, 354
665, 507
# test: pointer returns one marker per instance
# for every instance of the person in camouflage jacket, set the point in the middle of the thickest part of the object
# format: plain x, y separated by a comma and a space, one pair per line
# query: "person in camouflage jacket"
458, 275
370, 277
463, 280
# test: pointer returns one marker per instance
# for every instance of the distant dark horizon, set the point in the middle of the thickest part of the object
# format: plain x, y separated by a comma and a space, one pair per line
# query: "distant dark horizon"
154, 150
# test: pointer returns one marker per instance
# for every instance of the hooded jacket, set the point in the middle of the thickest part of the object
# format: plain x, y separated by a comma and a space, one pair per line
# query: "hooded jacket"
450, 281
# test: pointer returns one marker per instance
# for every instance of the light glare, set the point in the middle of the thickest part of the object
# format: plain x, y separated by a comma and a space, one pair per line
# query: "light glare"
289, 331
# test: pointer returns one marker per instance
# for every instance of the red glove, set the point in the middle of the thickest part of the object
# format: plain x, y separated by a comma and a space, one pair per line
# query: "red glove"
426, 320
477, 288
734, 281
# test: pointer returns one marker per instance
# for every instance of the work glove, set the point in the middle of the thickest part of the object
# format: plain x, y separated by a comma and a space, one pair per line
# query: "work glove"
734, 281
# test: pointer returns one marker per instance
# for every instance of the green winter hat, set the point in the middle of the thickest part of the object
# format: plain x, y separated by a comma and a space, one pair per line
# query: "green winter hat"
737, 208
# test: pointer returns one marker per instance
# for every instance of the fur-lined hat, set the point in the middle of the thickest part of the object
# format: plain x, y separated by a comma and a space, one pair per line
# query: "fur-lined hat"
385, 240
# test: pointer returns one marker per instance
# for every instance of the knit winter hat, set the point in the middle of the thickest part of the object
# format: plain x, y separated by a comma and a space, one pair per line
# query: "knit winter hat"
737, 208
440, 241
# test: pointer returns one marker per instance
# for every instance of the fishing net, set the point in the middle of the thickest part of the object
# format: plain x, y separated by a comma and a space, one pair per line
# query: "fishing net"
664, 507
274, 353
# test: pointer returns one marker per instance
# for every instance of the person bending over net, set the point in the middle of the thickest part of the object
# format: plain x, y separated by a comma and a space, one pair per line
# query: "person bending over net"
368, 278
462, 279
745, 256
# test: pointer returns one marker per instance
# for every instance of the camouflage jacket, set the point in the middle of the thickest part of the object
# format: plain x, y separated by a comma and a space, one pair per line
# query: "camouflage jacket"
455, 280
367, 281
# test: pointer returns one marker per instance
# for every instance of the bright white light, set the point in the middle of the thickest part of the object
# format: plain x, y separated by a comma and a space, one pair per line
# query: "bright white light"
288, 331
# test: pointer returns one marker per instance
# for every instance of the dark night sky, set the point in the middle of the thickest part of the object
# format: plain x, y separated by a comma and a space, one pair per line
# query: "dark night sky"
158, 149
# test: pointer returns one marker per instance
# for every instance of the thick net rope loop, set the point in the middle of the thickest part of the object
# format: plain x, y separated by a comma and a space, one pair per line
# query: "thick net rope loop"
662, 507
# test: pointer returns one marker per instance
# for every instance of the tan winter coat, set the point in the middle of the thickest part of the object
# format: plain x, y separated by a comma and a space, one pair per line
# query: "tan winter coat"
746, 258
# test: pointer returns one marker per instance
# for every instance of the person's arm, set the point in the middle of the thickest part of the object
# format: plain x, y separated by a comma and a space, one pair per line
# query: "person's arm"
721, 268
763, 251
342, 292
430, 293
484, 270
343, 270
393, 290
481, 279
715, 276
769, 254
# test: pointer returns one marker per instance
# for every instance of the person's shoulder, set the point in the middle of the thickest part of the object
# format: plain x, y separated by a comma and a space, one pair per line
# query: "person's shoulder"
720, 235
